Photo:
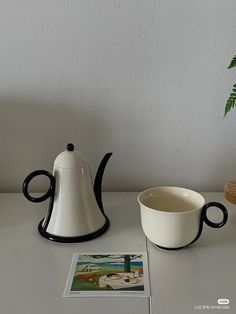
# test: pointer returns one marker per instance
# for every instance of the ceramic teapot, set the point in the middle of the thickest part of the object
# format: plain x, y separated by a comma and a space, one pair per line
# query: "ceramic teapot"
75, 210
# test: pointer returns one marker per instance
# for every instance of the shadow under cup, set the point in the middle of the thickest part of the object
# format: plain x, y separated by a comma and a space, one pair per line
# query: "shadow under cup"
172, 217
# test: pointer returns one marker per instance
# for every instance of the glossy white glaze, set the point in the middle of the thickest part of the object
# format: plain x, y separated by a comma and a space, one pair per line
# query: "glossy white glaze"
170, 216
75, 211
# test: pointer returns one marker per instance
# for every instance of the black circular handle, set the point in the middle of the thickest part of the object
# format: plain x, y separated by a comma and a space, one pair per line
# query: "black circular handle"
215, 224
32, 175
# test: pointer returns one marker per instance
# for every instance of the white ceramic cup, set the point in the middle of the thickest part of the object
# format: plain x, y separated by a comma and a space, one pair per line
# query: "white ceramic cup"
172, 217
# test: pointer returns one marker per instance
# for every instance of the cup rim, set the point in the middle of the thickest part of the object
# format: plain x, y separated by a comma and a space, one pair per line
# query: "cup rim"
166, 211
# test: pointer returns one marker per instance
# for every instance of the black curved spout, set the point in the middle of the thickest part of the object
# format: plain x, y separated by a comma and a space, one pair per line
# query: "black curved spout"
98, 181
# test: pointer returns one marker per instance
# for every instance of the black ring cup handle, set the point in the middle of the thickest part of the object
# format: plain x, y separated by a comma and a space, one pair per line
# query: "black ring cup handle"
50, 191
210, 223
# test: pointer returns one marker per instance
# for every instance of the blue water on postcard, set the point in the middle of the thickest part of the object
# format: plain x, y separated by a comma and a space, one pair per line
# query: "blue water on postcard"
113, 265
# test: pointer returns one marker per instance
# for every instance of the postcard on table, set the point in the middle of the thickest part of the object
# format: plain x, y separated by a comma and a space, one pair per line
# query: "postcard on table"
108, 274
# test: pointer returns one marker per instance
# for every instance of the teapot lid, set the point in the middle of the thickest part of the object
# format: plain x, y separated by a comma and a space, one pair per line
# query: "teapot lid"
70, 158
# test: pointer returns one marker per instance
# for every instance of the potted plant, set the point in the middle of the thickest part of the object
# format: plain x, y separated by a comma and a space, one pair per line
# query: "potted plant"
231, 102
230, 187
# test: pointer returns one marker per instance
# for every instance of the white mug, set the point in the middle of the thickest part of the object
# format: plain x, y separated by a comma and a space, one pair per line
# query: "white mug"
172, 217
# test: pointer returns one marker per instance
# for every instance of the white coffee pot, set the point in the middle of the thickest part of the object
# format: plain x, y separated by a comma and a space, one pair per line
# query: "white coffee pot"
75, 210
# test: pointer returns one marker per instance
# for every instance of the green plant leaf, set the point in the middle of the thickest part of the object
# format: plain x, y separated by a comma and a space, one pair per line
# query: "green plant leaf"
232, 63
231, 102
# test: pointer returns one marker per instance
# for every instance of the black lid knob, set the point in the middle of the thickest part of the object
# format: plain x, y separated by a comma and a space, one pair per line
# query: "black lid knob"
70, 147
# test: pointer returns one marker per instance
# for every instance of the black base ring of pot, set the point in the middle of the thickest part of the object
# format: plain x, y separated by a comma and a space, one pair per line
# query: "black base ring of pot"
82, 238
172, 249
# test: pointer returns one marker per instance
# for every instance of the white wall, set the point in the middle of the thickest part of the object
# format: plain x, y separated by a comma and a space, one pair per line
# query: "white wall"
144, 79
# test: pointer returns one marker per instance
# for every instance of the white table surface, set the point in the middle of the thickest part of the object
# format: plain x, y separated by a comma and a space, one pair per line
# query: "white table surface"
184, 281
33, 271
